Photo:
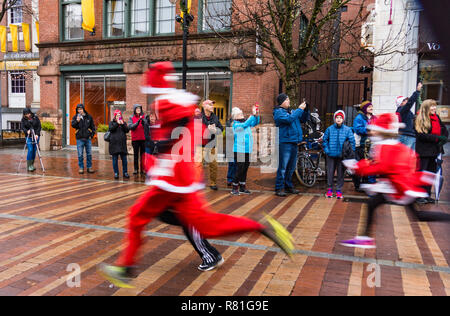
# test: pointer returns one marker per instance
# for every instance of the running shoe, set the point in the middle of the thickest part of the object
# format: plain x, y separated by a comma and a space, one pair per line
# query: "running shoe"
119, 276
208, 266
279, 235
243, 189
360, 242
329, 193
339, 195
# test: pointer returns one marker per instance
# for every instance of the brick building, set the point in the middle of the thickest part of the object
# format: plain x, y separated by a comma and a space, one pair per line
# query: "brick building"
19, 82
103, 69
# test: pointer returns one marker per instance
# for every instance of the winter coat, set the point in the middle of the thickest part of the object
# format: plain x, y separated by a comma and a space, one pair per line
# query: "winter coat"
334, 138
34, 124
85, 127
427, 144
407, 117
289, 124
150, 143
212, 119
360, 129
118, 141
243, 137
136, 125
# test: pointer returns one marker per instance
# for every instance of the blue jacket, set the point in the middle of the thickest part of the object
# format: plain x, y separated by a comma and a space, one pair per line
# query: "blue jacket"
243, 138
407, 117
334, 138
360, 128
289, 124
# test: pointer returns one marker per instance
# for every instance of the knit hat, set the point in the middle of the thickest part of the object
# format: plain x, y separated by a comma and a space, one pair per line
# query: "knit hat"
339, 113
364, 106
235, 112
399, 100
117, 112
27, 111
159, 78
386, 123
281, 98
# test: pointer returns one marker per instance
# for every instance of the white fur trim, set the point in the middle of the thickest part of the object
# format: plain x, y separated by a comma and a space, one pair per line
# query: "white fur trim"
379, 187
394, 130
171, 78
180, 97
416, 194
153, 90
350, 163
428, 177
163, 185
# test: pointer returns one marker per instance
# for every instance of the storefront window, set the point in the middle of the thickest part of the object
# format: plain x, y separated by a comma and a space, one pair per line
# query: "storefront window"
433, 73
101, 95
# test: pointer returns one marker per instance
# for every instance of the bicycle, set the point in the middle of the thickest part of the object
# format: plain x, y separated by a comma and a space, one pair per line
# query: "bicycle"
308, 161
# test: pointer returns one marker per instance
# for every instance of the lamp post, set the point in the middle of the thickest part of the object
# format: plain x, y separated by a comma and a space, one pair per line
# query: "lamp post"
185, 20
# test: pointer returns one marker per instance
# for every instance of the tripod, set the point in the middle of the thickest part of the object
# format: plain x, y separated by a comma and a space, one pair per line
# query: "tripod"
33, 142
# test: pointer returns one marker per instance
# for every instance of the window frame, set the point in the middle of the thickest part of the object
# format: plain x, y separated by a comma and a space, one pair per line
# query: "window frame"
15, 6
62, 31
201, 18
11, 86
152, 15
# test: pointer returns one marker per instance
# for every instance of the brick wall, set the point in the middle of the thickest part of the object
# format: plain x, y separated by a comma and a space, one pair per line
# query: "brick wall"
49, 21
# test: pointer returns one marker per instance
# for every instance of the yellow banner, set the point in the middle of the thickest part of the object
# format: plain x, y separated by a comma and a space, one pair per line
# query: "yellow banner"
14, 37
189, 4
87, 10
37, 31
26, 36
3, 38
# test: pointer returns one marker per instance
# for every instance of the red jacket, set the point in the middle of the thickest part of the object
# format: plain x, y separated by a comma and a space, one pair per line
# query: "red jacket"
396, 165
173, 169
138, 132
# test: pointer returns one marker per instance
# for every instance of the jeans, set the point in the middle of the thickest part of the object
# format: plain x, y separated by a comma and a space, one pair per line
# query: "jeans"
31, 148
231, 171
334, 163
115, 161
409, 141
287, 162
81, 145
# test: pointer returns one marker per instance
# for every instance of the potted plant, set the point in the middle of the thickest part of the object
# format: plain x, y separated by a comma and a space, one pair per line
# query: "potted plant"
47, 129
103, 146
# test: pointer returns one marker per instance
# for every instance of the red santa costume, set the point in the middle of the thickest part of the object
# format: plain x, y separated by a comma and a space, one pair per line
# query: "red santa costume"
399, 182
174, 182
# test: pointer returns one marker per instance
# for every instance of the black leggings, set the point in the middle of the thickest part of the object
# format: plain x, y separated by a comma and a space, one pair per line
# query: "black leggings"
207, 252
242, 164
138, 151
422, 216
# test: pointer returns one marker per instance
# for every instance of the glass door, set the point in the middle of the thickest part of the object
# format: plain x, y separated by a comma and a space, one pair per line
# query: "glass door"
97, 93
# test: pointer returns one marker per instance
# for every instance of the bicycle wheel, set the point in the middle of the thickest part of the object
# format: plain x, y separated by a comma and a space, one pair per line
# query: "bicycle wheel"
305, 171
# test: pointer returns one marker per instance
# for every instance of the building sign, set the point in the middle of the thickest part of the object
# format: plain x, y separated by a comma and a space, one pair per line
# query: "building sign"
19, 65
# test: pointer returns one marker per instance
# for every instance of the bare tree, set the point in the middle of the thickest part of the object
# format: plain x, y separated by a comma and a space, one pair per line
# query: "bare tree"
6, 5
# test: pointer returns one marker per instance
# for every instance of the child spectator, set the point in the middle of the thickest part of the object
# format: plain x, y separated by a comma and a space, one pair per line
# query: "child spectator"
333, 143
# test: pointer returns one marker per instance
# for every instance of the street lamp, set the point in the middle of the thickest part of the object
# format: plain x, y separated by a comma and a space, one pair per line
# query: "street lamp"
185, 20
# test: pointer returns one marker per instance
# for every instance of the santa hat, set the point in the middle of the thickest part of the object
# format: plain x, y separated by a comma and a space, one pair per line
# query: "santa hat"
399, 100
386, 123
160, 78
339, 113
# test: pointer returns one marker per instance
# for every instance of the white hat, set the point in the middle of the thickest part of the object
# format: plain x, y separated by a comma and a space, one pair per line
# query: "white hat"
235, 112
399, 100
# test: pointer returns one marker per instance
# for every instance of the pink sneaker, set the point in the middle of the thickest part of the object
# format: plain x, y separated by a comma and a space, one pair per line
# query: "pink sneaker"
329, 193
339, 195
360, 242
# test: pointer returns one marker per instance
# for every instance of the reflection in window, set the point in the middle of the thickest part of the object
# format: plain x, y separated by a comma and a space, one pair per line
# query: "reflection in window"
115, 18
217, 14
16, 12
165, 17
140, 17
72, 21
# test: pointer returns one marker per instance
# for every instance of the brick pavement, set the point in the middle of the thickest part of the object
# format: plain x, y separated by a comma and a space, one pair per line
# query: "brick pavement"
81, 218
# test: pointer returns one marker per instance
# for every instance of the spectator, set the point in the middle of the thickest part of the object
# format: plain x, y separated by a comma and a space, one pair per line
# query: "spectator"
333, 142
150, 125
84, 124
404, 105
431, 136
30, 122
290, 135
243, 147
230, 152
364, 117
118, 144
136, 126
214, 126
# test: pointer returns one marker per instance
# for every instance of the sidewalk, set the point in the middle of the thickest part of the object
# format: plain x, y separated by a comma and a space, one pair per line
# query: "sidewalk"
64, 163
